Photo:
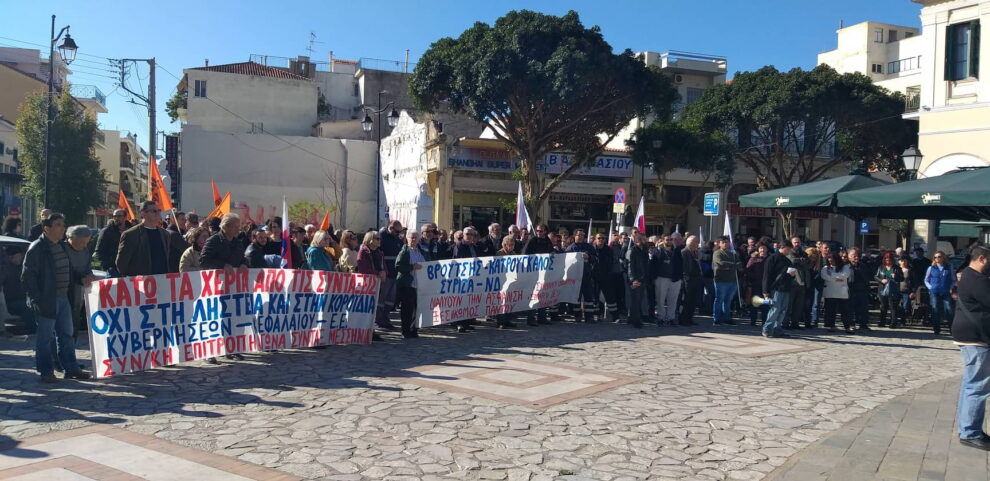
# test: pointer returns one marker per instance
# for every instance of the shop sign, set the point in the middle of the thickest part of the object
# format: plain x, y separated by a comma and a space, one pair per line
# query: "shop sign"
464, 158
604, 165
737, 211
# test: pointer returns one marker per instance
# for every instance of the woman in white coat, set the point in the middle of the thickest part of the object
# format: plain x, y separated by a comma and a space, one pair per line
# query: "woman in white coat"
837, 275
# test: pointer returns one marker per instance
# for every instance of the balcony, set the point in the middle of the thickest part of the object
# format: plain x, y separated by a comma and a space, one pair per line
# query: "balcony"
101, 138
912, 100
91, 96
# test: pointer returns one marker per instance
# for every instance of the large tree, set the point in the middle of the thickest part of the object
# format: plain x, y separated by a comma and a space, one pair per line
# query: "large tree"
541, 83
77, 182
796, 127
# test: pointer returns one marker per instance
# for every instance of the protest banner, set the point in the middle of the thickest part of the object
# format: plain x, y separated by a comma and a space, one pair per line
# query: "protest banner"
141, 322
458, 289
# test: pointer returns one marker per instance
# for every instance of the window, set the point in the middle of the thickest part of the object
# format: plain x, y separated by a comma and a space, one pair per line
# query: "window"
1, 148
357, 90
891, 36
200, 89
878, 35
908, 34
693, 94
877, 68
962, 51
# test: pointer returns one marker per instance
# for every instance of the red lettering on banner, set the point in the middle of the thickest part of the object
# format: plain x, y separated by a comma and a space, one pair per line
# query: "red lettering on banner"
219, 283
321, 282
150, 289
185, 288
123, 294
207, 283
172, 278
106, 300
108, 368
136, 284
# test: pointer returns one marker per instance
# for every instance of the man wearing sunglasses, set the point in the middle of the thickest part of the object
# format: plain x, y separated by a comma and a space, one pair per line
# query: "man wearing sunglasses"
143, 248
109, 241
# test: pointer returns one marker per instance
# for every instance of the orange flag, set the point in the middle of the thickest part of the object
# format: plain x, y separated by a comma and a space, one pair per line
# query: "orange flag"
222, 208
216, 193
156, 189
122, 203
325, 225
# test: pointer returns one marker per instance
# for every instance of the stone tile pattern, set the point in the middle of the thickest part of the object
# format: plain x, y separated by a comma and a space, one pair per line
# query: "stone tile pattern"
524, 382
106, 453
736, 345
345, 413
913, 437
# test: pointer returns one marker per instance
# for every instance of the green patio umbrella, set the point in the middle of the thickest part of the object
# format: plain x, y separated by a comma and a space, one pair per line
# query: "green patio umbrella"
816, 196
962, 194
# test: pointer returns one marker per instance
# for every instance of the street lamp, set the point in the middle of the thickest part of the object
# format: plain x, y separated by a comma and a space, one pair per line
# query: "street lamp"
393, 119
912, 161
67, 50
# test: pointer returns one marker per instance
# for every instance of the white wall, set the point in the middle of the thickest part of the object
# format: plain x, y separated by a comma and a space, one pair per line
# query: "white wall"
259, 169
285, 107
404, 173
338, 89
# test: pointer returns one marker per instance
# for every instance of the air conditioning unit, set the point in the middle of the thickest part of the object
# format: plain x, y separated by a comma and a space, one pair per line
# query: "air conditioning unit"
678, 78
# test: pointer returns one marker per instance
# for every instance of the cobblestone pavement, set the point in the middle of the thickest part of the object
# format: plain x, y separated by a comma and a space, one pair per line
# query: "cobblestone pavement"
346, 413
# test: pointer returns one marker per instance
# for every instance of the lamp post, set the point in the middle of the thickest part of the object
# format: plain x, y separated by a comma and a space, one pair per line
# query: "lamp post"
67, 50
912, 161
366, 125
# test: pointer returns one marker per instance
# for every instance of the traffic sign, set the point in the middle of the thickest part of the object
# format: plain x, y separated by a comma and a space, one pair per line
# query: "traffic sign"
618, 207
864, 227
712, 204
620, 196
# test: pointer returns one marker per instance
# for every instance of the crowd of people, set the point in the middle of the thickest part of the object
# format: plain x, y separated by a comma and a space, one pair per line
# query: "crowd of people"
628, 277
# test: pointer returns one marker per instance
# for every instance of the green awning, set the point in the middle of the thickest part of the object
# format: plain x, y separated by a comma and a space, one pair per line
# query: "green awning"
961, 194
819, 196
958, 228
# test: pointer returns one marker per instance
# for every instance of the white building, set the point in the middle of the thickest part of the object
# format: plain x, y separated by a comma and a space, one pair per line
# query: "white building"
889, 54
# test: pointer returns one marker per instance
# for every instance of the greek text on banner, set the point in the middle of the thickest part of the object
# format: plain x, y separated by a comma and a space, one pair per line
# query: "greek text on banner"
458, 289
137, 323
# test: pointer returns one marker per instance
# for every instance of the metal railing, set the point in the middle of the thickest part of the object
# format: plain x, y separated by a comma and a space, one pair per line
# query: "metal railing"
88, 92
387, 65
912, 99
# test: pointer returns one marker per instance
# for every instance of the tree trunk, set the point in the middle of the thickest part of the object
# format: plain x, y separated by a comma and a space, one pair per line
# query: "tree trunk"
786, 223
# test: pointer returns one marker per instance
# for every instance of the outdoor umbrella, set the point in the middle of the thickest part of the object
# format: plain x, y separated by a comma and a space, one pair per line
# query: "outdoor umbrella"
817, 196
962, 194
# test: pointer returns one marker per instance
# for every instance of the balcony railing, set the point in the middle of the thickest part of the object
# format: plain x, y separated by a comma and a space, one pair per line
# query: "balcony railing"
400, 66
912, 99
89, 92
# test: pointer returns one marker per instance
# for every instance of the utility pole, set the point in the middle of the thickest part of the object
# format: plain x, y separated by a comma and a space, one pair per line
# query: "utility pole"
148, 101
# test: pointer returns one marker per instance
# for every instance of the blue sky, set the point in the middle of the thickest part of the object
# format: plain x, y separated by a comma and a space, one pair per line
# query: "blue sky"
181, 33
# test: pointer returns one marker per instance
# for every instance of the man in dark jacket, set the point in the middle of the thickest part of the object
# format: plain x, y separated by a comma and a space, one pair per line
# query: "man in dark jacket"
538, 244
255, 252
391, 244
223, 250
143, 249
48, 282
37, 229
466, 249
859, 288
589, 292
109, 241
694, 283
971, 332
778, 277
602, 274
800, 288
493, 241
638, 265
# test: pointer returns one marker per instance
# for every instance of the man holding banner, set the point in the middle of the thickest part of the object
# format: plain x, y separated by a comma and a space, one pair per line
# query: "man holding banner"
540, 244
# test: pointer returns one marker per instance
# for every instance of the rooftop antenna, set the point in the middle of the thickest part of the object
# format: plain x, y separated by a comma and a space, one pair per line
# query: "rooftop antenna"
312, 41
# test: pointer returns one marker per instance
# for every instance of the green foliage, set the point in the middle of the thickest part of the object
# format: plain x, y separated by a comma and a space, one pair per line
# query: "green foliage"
77, 182
302, 213
177, 101
663, 146
541, 83
789, 123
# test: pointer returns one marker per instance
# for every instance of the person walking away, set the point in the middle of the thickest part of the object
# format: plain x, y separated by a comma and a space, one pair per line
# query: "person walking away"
669, 268
638, 261
971, 332
47, 278
316, 254
409, 260
836, 275
108, 242
589, 292
889, 276
907, 288
694, 282
603, 277
144, 249
939, 280
859, 288
191, 258
800, 287
725, 264
755, 268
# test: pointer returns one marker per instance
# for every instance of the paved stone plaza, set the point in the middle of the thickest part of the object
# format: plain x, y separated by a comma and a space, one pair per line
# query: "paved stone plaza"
568, 401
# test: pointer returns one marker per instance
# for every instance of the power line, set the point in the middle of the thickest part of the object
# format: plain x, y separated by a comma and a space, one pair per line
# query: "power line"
48, 46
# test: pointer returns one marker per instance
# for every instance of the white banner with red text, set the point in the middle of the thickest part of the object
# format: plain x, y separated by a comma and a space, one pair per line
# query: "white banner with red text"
458, 289
141, 322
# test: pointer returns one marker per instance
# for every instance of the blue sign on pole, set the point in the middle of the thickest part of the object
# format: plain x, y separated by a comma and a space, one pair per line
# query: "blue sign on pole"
864, 227
712, 204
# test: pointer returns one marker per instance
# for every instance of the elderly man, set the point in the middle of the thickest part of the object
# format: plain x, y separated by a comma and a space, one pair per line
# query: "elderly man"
109, 241
493, 241
391, 244
47, 280
225, 251
38, 228
144, 248
694, 282
310, 232
78, 237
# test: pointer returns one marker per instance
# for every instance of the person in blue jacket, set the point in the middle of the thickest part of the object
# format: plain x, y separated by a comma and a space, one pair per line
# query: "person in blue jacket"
939, 279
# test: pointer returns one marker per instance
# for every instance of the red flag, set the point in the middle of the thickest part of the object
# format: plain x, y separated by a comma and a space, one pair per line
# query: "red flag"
325, 225
216, 193
122, 203
156, 188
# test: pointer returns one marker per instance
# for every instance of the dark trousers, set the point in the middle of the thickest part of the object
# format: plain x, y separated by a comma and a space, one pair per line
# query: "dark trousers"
536, 315
860, 300
796, 314
636, 299
890, 306
589, 297
407, 309
693, 292
834, 307
651, 297
618, 286
607, 289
